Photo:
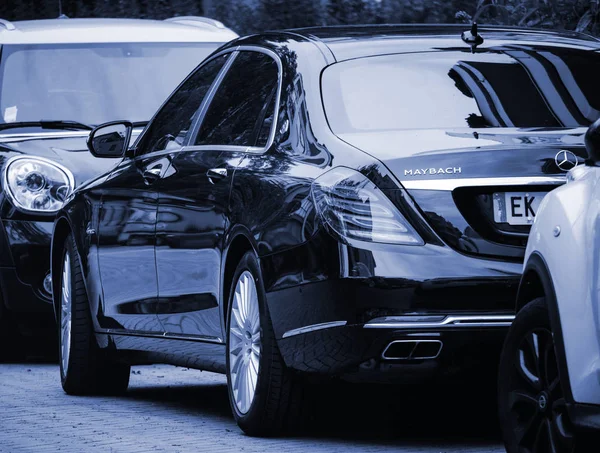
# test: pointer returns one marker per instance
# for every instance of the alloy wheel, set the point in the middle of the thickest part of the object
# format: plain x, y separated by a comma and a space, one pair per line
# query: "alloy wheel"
244, 342
536, 402
65, 317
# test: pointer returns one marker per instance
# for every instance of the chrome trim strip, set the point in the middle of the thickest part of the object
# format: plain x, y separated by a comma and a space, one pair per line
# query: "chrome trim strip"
313, 327
271, 139
451, 184
450, 321
193, 133
166, 336
231, 148
410, 356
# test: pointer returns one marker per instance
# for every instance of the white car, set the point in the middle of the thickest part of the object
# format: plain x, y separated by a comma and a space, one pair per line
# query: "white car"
549, 375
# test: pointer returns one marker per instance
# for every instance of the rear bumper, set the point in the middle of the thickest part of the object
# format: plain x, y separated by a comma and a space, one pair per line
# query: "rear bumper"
336, 307
398, 349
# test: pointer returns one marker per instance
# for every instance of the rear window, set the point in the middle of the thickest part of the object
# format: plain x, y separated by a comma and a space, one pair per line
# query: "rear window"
514, 86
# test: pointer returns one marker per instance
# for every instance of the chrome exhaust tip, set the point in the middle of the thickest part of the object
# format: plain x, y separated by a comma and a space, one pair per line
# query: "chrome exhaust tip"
412, 350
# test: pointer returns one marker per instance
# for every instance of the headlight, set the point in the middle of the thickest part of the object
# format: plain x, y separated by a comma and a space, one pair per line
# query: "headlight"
35, 184
355, 208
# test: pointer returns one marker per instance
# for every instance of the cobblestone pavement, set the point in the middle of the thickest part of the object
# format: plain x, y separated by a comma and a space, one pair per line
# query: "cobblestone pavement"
180, 410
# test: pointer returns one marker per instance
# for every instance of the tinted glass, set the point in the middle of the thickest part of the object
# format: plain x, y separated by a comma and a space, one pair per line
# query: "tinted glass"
93, 83
171, 125
242, 109
508, 87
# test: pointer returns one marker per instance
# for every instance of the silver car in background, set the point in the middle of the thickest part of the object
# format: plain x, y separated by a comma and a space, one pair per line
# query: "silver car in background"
58, 79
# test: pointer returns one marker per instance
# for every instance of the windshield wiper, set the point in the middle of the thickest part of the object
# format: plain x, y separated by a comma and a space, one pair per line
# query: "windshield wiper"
140, 123
48, 124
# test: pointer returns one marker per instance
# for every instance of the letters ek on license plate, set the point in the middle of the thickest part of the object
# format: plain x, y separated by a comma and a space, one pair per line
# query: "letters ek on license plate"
516, 208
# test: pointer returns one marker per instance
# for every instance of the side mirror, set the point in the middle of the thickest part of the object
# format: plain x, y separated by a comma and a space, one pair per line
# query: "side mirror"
592, 142
110, 139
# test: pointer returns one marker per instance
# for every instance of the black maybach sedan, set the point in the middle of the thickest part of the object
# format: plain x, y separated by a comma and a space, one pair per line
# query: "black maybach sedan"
349, 202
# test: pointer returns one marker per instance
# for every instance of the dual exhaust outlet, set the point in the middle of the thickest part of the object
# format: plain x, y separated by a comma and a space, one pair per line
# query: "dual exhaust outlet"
412, 350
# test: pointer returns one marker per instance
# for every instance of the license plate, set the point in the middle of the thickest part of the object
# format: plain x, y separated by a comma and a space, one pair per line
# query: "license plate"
516, 208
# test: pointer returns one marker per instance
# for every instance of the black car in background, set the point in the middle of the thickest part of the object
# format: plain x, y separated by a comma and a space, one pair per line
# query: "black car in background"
349, 202
58, 78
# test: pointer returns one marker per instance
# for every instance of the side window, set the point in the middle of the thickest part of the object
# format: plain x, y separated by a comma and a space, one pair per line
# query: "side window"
171, 125
242, 109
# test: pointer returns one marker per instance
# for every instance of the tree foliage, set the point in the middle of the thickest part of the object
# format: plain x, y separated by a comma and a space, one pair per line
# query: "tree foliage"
250, 16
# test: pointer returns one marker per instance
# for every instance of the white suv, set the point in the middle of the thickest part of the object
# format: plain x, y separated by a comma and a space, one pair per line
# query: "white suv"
549, 377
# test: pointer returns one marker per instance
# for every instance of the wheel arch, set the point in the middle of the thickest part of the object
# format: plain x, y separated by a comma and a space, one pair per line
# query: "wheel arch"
62, 229
530, 288
238, 243
537, 282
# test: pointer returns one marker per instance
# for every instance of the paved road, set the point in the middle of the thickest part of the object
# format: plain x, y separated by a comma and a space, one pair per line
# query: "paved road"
180, 410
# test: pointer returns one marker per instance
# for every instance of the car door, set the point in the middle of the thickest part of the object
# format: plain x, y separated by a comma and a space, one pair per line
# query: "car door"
194, 197
128, 213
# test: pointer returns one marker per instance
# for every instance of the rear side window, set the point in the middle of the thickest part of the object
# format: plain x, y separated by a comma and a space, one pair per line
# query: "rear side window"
512, 86
242, 109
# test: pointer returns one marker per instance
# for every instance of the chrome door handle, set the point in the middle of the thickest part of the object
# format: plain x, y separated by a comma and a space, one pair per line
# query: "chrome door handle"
215, 174
151, 175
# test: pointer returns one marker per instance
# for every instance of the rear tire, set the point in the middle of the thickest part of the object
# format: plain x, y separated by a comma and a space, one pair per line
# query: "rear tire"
85, 369
276, 403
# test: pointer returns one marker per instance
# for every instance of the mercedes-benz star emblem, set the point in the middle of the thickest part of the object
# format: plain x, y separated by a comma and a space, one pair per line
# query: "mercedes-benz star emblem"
566, 160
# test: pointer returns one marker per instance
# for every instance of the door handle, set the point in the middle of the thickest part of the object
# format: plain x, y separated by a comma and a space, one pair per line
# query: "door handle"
152, 175
216, 174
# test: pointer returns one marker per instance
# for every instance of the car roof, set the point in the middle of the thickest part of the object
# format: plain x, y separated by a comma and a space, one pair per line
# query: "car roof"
348, 42
73, 31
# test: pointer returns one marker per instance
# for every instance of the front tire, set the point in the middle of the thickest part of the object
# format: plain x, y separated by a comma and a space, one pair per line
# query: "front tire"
532, 408
265, 396
84, 368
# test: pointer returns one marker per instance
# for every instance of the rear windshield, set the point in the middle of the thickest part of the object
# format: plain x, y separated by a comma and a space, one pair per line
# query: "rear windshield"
514, 86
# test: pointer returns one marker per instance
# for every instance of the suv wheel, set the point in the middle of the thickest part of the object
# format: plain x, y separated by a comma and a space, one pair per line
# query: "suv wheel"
532, 407
84, 367
265, 396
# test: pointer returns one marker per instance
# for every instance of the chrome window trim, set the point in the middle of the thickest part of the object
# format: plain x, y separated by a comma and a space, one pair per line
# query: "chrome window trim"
314, 327
210, 95
230, 148
6, 187
271, 139
451, 184
449, 321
